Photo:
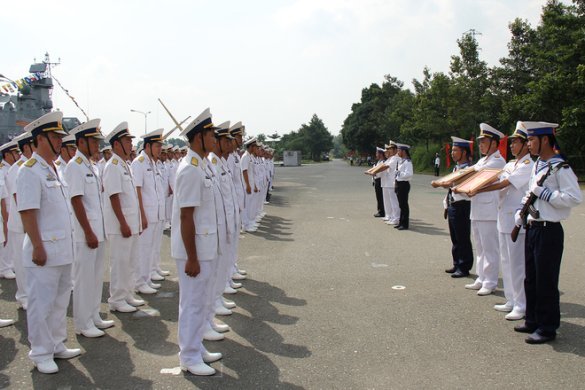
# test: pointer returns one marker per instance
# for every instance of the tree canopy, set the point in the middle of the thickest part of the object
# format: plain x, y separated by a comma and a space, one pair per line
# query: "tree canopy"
541, 78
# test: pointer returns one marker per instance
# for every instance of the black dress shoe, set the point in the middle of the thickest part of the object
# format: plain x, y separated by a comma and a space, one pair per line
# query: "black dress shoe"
378, 215
397, 226
540, 338
460, 274
524, 329
402, 228
451, 270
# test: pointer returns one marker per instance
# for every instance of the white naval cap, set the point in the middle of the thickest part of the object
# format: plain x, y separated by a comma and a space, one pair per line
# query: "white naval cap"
202, 122
176, 148
487, 131
91, 128
120, 131
540, 128
379, 149
520, 131
68, 140
23, 139
390, 144
237, 128
403, 146
9, 146
153, 136
250, 142
461, 142
106, 148
46, 123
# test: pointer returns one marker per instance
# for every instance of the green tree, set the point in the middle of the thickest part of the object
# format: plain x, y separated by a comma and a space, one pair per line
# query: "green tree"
317, 138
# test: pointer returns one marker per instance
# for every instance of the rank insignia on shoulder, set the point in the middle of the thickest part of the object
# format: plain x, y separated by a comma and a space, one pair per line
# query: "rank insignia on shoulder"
79, 160
30, 162
57, 163
141, 158
115, 161
214, 161
194, 161
20, 162
527, 161
1, 165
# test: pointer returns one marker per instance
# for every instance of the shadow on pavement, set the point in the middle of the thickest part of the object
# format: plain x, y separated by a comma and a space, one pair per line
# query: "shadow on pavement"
418, 226
8, 348
273, 228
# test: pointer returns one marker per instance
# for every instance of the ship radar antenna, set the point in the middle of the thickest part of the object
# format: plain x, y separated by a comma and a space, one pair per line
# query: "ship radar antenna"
50, 64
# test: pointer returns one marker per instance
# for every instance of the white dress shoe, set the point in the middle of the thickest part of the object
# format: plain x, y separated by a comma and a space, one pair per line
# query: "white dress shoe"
147, 290
91, 333
22, 305
103, 324
515, 315
229, 290
241, 271
156, 277
484, 291
506, 307
235, 284
238, 276
251, 229
162, 272
200, 369
156, 286
8, 275
473, 286
47, 366
133, 301
210, 357
220, 328
68, 353
122, 308
212, 335
228, 304
385, 219
4, 323
222, 311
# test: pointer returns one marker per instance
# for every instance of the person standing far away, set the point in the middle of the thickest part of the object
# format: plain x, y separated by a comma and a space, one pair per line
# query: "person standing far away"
437, 164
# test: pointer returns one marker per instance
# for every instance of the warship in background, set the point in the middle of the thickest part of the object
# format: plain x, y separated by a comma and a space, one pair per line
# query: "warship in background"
28, 102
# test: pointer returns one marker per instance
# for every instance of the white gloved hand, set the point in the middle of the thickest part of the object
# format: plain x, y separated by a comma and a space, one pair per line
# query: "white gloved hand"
517, 219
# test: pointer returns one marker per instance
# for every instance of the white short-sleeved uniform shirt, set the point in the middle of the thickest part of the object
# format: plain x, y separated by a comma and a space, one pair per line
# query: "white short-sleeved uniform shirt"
83, 180
3, 195
248, 165
517, 172
147, 176
60, 165
194, 188
389, 175
484, 206
39, 188
14, 220
118, 180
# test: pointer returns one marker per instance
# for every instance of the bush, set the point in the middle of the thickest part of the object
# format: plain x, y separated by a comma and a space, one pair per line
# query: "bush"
424, 160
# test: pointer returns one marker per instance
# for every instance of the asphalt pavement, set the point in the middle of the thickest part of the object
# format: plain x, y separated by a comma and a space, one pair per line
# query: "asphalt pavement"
335, 299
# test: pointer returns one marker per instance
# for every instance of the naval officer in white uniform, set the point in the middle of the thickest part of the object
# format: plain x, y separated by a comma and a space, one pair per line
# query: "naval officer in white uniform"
48, 245
194, 244
484, 214
15, 229
85, 192
122, 221
147, 179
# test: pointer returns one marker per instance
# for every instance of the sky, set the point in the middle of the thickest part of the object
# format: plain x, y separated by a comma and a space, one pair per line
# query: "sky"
270, 64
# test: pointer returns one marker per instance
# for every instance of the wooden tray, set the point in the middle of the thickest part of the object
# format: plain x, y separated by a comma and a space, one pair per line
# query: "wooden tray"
479, 180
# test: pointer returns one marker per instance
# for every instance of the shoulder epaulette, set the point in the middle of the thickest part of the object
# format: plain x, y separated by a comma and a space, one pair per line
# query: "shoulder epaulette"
194, 161
57, 163
29, 163
527, 161
2, 165
79, 160
214, 161
141, 158
20, 162
115, 161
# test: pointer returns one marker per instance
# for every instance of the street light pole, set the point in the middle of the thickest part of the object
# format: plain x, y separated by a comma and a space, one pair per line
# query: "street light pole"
145, 115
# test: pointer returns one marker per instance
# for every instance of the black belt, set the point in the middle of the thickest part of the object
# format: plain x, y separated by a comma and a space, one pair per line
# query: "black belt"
543, 223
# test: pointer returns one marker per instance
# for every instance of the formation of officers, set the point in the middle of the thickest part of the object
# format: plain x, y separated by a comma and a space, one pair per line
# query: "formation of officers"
61, 204
391, 175
547, 189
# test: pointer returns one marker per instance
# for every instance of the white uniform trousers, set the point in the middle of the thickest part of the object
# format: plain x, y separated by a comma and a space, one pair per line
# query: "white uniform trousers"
88, 281
14, 250
123, 256
49, 291
248, 215
168, 209
391, 207
157, 241
5, 259
145, 249
513, 269
485, 236
193, 308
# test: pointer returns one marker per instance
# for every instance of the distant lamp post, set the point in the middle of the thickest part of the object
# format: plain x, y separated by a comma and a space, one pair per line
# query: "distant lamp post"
145, 115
